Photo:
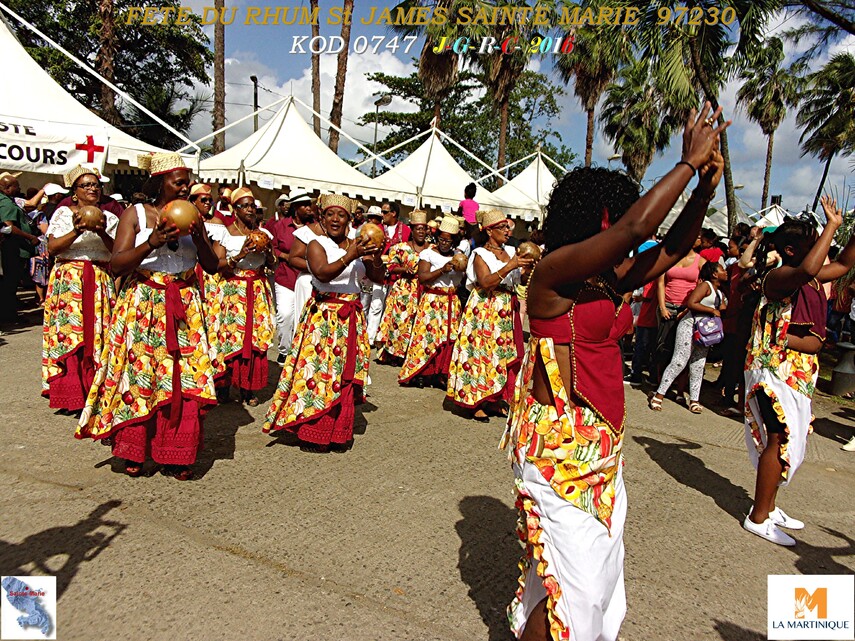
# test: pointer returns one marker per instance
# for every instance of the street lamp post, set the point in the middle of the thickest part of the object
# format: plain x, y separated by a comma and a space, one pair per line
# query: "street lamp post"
382, 101
254, 102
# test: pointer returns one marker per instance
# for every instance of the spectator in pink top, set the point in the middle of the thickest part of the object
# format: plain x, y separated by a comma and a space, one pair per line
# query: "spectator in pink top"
468, 207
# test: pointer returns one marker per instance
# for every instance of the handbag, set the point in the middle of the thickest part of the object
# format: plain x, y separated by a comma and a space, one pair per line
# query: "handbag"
709, 330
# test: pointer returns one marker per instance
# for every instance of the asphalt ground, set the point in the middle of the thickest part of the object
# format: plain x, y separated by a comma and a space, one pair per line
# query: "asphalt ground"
410, 535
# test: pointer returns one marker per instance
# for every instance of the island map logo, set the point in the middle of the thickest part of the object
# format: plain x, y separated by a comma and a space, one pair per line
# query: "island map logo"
28, 607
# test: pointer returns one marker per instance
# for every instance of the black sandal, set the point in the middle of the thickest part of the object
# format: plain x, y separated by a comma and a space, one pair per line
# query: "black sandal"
133, 469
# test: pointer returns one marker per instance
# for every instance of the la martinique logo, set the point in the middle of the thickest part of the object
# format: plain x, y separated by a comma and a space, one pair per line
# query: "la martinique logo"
811, 607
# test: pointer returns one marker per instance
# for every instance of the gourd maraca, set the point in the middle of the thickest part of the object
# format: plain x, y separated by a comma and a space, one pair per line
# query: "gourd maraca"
374, 233
259, 239
528, 249
90, 217
459, 262
181, 213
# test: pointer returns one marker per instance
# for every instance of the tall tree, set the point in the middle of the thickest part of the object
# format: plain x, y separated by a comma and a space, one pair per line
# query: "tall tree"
219, 115
766, 92
104, 60
639, 118
826, 113
340, 75
146, 56
700, 57
316, 72
598, 52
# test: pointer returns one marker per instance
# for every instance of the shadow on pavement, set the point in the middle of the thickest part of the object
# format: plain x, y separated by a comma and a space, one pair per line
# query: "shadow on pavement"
832, 430
75, 544
489, 550
820, 560
690, 471
731, 632
220, 432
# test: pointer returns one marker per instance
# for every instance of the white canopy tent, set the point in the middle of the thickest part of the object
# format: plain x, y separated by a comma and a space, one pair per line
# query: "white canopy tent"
43, 121
716, 220
772, 216
531, 188
286, 152
435, 179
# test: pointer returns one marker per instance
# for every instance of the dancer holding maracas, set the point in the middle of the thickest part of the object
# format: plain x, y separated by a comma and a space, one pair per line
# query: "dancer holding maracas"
157, 379
80, 293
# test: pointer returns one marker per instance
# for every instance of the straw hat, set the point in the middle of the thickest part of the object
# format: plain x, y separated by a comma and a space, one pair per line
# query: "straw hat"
433, 224
492, 218
242, 192
449, 225
161, 162
79, 171
334, 200
418, 217
375, 211
226, 194
200, 188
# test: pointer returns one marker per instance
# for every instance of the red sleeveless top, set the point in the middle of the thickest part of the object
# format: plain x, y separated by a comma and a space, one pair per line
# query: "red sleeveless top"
592, 327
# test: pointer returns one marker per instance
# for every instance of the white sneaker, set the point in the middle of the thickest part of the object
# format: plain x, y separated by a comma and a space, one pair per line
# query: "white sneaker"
768, 531
780, 518
850, 446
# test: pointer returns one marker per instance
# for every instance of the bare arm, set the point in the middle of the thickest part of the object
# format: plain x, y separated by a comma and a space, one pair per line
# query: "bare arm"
427, 276
297, 256
694, 300
846, 258
326, 271
127, 257
660, 298
748, 254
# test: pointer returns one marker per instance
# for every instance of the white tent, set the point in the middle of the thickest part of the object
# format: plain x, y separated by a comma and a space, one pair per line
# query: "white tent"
435, 179
530, 189
286, 152
39, 116
772, 216
717, 220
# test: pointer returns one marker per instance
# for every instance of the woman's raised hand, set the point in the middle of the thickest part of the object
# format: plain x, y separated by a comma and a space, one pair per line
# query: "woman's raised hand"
833, 213
700, 136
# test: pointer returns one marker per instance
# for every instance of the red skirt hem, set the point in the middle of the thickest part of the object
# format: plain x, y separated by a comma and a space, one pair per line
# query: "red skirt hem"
203, 408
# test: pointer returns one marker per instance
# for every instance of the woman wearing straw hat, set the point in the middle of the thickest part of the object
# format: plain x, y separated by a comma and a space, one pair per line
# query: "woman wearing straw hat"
310, 229
489, 347
403, 263
80, 295
437, 314
242, 309
327, 366
157, 377
200, 196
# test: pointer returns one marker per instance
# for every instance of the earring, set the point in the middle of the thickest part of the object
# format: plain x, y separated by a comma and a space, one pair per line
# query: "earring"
74, 198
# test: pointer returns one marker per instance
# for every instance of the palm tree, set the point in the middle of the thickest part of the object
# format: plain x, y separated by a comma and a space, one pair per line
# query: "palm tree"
163, 101
598, 53
692, 59
767, 90
104, 60
639, 118
219, 114
826, 113
340, 74
316, 73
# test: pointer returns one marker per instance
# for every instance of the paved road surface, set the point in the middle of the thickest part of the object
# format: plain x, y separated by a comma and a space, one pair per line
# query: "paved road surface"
410, 536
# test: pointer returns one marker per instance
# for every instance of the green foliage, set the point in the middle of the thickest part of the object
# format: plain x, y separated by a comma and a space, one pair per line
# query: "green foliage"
827, 109
469, 116
825, 24
148, 58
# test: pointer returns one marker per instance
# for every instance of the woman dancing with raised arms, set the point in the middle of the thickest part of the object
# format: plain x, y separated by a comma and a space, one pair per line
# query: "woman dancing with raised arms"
567, 419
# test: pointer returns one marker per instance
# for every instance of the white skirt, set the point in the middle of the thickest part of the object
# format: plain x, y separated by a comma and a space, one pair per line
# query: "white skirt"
580, 555
302, 293
797, 417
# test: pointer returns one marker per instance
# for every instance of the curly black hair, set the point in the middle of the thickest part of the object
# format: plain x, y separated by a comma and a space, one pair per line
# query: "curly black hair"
708, 270
790, 232
575, 209
469, 190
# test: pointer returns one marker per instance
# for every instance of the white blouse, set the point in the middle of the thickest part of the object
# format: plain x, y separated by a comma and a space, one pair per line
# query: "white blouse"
437, 260
164, 259
494, 264
87, 246
234, 245
348, 281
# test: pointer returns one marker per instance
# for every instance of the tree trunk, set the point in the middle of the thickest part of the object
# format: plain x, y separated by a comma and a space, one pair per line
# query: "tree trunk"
341, 72
104, 61
589, 138
436, 110
768, 177
316, 73
218, 120
504, 108
822, 182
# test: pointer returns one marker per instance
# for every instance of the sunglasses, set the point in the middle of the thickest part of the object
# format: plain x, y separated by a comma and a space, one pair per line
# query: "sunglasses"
89, 186
206, 200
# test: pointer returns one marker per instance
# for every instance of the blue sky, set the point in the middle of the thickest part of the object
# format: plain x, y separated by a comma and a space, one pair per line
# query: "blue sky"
264, 51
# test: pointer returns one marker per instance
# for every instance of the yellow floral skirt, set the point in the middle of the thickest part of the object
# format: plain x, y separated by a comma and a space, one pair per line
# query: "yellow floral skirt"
396, 326
433, 335
78, 306
324, 372
488, 350
157, 355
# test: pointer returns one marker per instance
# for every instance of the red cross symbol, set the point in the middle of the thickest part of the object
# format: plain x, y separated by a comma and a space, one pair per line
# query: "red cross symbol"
90, 148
